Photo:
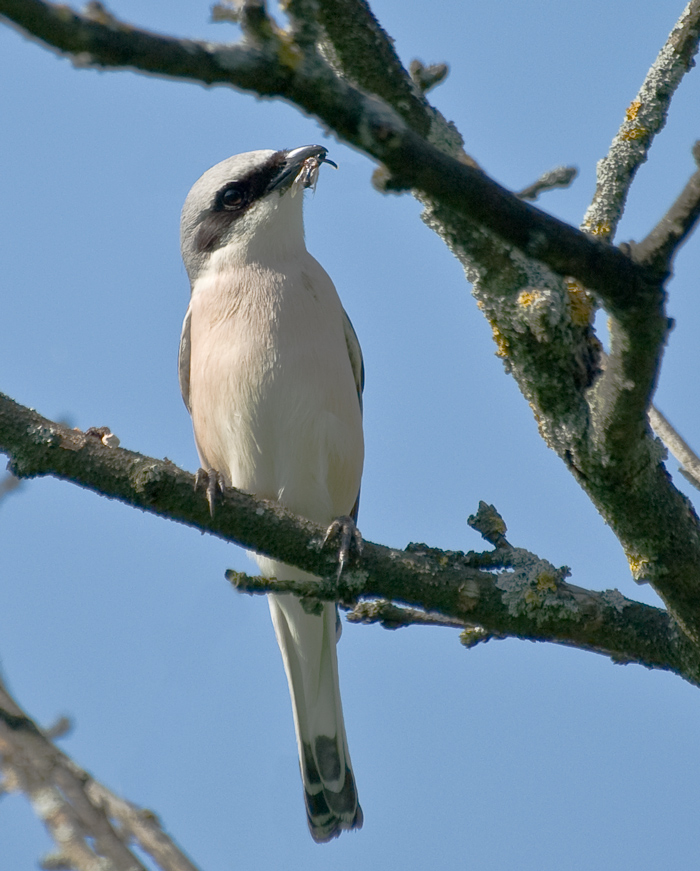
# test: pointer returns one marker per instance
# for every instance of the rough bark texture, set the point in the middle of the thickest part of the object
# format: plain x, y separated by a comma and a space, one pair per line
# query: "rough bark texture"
507, 591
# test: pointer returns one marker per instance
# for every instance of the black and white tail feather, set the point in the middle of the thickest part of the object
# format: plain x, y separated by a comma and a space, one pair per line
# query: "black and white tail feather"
308, 646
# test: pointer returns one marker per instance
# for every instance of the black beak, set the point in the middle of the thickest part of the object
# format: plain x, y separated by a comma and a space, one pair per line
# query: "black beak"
293, 163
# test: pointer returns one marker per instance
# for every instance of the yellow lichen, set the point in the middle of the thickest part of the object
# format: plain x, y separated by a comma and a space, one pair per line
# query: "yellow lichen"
602, 228
636, 132
633, 110
581, 305
547, 581
289, 54
544, 583
532, 597
636, 563
526, 297
498, 525
500, 340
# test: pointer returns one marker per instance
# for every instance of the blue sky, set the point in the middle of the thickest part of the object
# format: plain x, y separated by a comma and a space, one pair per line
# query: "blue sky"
513, 755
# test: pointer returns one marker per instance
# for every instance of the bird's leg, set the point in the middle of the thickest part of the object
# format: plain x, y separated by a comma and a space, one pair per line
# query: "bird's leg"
349, 536
214, 483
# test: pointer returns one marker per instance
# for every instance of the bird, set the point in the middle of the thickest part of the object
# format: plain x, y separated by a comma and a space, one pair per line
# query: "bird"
271, 372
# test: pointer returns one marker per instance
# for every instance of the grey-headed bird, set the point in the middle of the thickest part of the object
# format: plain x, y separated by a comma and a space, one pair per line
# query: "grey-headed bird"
271, 372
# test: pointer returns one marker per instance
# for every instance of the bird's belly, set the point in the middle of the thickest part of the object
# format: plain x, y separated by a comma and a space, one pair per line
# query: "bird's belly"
283, 425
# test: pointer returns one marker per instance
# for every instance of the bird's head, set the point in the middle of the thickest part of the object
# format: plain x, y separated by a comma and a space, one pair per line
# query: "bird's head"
246, 206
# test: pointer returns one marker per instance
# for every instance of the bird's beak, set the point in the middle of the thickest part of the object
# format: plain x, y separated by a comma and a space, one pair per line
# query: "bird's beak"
294, 164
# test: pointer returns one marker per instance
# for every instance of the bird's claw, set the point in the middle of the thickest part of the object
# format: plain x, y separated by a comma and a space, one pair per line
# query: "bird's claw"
214, 483
350, 538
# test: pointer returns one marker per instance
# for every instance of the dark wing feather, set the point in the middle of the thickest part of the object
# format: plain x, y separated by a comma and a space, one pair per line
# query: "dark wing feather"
184, 361
358, 370
355, 354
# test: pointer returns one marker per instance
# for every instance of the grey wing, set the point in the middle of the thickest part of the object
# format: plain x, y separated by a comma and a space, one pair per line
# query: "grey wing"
355, 354
358, 370
184, 361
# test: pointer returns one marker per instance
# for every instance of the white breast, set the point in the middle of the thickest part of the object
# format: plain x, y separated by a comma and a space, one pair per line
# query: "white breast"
273, 398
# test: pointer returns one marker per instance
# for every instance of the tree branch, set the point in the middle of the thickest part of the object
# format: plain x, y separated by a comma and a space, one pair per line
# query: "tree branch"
8, 484
542, 330
368, 58
427, 76
659, 248
688, 459
304, 26
278, 69
508, 591
559, 177
531, 596
391, 616
637, 337
644, 118
77, 811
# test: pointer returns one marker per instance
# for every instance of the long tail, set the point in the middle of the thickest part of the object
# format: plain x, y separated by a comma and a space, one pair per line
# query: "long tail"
308, 645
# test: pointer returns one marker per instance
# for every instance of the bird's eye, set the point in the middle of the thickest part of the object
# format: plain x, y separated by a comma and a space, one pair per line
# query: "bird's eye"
232, 198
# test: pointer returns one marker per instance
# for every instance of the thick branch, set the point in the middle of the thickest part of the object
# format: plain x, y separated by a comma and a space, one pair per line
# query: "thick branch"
368, 58
644, 118
508, 591
638, 333
531, 597
542, 329
637, 336
363, 121
622, 396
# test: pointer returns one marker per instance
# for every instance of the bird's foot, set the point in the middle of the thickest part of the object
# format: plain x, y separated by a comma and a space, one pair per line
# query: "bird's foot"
214, 483
350, 539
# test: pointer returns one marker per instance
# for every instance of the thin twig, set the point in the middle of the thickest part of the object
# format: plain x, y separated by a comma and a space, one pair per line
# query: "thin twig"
391, 616
225, 11
141, 825
559, 177
535, 592
78, 811
644, 118
255, 23
9, 484
82, 833
427, 76
659, 247
686, 456
304, 29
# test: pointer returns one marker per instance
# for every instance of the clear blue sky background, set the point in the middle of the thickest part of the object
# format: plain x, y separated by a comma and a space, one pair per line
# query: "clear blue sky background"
511, 756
